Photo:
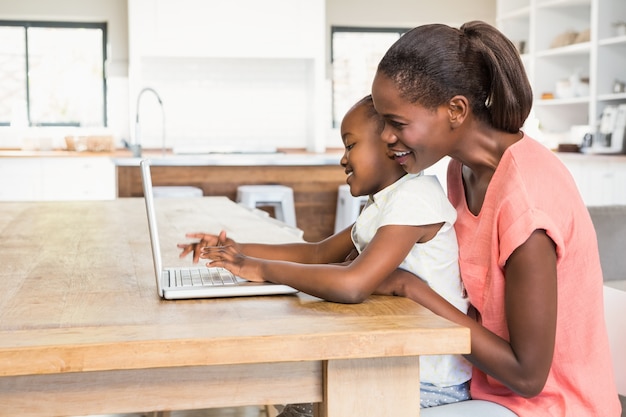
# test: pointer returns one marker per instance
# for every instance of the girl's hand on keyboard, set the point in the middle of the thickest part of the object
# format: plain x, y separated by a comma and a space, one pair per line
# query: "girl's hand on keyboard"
205, 240
229, 257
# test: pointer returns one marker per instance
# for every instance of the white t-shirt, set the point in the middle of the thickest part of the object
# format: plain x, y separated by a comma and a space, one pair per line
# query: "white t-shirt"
418, 200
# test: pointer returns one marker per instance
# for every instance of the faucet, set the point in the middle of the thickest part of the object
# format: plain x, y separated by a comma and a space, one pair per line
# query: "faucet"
136, 146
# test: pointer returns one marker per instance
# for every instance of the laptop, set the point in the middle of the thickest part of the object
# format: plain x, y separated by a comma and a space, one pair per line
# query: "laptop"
198, 281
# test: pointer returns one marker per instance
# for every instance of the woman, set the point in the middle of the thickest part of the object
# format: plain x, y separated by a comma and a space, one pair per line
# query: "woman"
527, 248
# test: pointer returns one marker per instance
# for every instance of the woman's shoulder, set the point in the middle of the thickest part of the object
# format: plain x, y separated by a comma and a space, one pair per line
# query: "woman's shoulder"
530, 167
530, 151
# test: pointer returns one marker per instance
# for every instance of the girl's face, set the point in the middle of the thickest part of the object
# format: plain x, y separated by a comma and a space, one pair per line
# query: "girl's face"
417, 137
365, 159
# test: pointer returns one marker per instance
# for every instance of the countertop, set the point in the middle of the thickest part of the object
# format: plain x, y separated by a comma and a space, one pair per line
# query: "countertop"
280, 158
123, 157
283, 157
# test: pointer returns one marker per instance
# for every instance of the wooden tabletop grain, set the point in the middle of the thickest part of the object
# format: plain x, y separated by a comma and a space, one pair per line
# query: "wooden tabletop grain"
79, 295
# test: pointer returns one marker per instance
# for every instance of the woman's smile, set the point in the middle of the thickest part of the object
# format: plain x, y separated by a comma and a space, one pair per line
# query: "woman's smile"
401, 157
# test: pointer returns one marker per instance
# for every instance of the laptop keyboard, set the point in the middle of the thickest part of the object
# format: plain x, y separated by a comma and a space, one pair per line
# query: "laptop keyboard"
201, 276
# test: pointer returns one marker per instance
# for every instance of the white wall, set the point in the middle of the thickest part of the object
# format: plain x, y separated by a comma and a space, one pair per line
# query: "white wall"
408, 13
391, 13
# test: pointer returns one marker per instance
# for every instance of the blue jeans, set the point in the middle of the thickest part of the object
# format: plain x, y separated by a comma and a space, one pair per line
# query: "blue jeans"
430, 396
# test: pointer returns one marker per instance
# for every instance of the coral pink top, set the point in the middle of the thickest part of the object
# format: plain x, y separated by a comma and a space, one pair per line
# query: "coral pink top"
531, 189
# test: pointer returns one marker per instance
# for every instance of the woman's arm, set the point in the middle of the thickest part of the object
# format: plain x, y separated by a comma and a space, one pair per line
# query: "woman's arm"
523, 363
350, 283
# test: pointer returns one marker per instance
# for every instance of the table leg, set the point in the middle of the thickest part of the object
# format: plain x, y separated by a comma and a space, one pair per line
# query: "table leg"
371, 387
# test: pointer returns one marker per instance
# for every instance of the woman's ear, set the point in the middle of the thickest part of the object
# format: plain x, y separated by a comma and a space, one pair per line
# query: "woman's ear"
458, 109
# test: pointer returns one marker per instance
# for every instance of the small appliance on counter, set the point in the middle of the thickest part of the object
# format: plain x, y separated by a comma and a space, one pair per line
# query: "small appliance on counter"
611, 136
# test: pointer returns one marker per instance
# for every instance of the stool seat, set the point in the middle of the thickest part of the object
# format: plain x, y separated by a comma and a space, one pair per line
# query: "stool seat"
473, 408
176, 191
348, 207
278, 196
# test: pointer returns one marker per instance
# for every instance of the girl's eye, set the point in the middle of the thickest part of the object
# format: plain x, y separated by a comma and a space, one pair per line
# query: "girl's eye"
350, 146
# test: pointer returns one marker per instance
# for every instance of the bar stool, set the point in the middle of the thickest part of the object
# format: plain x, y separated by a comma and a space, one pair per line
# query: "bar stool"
348, 207
278, 196
176, 191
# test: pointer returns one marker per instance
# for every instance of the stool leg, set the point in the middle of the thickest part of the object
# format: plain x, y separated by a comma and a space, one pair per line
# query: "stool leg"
279, 212
288, 211
348, 208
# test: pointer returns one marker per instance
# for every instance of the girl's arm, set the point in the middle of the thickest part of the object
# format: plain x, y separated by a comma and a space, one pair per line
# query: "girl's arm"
530, 295
350, 283
330, 250
333, 249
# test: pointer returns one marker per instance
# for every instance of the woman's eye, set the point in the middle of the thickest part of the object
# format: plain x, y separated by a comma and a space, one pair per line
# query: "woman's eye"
395, 125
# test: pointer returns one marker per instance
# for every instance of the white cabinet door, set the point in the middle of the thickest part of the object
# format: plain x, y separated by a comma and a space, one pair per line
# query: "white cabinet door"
235, 28
619, 183
57, 178
601, 184
601, 180
78, 178
20, 179
577, 169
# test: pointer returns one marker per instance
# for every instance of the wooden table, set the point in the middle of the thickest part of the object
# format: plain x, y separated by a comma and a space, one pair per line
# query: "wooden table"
82, 330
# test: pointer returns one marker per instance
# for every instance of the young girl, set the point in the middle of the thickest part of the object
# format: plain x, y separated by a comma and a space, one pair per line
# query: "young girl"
407, 223
527, 247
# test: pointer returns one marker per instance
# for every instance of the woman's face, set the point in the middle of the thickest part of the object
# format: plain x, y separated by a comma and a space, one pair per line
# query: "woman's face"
417, 137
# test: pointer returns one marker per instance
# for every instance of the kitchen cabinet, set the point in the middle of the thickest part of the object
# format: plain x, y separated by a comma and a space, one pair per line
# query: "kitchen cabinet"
237, 28
581, 70
601, 179
20, 179
78, 179
57, 178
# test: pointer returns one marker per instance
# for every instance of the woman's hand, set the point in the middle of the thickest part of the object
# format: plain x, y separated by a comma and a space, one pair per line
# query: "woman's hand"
229, 257
206, 239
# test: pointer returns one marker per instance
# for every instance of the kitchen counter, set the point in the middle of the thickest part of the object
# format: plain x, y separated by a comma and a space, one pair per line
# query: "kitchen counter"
597, 157
123, 157
43, 175
283, 157
314, 178
236, 159
60, 153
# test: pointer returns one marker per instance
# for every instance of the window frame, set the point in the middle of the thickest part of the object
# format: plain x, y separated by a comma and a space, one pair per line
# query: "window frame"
26, 24
354, 29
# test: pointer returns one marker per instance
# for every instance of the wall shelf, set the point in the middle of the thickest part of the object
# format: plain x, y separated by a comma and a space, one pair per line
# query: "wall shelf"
599, 58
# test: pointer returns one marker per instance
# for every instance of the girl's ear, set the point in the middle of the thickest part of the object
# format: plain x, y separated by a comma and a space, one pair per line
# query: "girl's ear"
458, 109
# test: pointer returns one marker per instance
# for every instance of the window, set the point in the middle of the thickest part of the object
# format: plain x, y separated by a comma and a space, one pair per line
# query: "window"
355, 53
52, 74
